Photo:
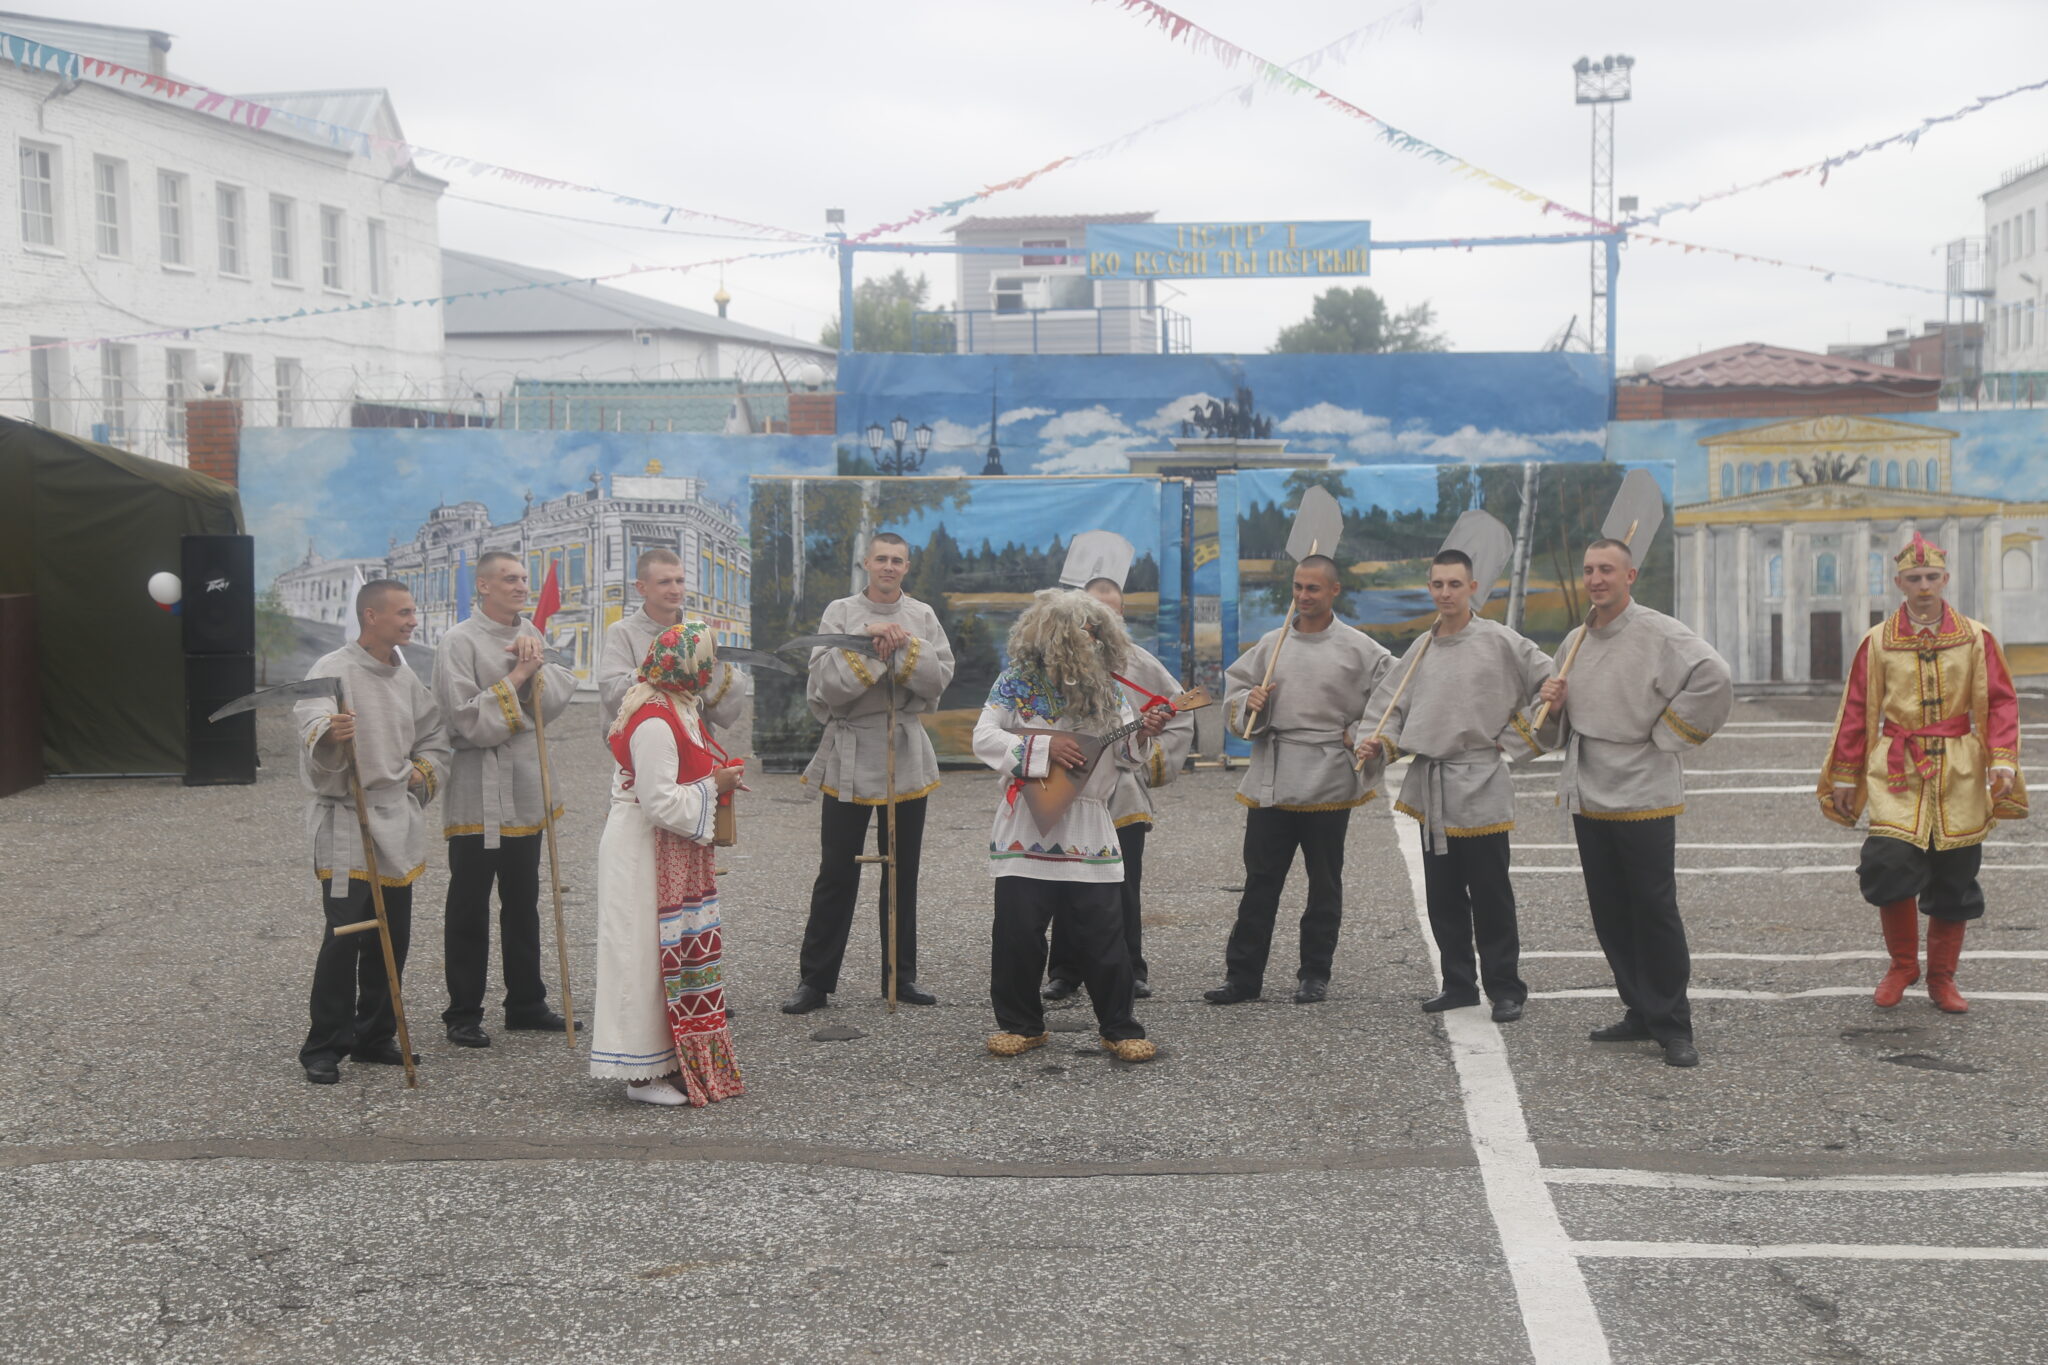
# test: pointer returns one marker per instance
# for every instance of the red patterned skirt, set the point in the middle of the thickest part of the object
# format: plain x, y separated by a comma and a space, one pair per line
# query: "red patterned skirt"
692, 946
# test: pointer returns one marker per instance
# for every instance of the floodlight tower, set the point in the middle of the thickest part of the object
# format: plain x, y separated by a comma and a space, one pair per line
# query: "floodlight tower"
1602, 84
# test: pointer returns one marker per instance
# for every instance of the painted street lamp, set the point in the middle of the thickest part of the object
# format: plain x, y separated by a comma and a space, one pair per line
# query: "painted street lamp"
899, 434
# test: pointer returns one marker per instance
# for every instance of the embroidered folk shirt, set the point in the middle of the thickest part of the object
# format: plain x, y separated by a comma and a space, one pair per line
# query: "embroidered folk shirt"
1926, 714
1463, 717
849, 693
399, 732
494, 789
1643, 690
1301, 747
625, 647
1131, 802
1082, 844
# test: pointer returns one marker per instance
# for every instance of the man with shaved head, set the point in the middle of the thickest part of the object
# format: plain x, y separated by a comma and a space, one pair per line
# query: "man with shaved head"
1301, 786
663, 585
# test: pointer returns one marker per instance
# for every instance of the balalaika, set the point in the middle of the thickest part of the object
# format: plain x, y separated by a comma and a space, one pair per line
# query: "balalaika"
1048, 797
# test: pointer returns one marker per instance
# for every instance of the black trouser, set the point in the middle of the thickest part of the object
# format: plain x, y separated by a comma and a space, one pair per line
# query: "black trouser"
351, 1004
1945, 880
1270, 837
514, 865
842, 832
1471, 898
1088, 915
1632, 889
1066, 964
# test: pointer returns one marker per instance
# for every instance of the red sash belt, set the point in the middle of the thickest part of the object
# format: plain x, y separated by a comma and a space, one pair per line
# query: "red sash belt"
1905, 744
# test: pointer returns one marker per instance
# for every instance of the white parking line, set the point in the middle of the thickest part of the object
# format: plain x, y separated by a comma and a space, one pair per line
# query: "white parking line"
1795, 1184
1776, 772
1838, 844
1818, 992
1557, 1310
1713, 1251
1805, 871
1852, 955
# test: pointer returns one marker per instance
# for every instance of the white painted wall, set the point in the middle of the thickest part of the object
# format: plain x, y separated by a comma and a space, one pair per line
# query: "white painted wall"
489, 363
72, 290
2016, 246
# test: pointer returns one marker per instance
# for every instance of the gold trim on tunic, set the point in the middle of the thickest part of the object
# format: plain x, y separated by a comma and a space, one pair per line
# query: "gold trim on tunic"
504, 831
860, 670
356, 874
508, 706
1244, 800
1473, 832
1627, 815
833, 792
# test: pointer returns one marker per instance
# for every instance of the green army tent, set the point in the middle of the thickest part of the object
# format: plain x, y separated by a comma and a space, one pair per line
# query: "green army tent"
83, 526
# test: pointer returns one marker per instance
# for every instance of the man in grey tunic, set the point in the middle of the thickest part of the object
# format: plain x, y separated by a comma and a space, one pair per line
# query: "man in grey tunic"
401, 754
1300, 786
1461, 718
849, 692
660, 580
486, 673
1643, 690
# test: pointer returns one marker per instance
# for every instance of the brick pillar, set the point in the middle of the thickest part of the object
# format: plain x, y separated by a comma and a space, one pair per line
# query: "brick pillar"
213, 437
814, 414
1638, 402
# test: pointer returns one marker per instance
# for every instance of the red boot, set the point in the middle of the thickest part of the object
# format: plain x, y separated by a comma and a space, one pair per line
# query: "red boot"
1901, 920
1944, 947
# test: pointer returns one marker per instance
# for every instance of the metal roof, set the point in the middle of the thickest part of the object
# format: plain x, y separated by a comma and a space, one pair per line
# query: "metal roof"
577, 308
1753, 365
368, 110
1034, 222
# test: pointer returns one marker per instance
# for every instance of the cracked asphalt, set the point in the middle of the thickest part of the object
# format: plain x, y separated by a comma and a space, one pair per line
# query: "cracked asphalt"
1284, 1182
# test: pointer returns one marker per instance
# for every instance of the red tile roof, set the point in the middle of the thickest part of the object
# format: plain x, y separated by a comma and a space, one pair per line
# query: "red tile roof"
1035, 222
1753, 365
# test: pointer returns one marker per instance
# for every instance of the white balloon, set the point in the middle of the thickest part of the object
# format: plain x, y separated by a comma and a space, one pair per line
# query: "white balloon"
165, 588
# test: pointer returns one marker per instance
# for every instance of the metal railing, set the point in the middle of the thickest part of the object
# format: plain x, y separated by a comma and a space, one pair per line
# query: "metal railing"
1168, 332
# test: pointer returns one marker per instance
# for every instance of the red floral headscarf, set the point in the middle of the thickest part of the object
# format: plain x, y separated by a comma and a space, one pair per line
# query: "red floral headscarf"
679, 661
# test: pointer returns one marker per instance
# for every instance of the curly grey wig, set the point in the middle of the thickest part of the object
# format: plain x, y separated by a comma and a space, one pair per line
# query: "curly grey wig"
1076, 643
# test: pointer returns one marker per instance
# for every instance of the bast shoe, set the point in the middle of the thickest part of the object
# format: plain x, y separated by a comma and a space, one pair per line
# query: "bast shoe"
1131, 1049
1012, 1044
1230, 993
468, 1035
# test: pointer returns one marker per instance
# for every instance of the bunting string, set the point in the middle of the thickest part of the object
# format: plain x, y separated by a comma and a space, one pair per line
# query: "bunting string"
29, 54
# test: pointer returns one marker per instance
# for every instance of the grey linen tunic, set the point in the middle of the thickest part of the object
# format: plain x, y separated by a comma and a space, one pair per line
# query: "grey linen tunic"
1462, 718
398, 732
625, 649
494, 788
1131, 802
1301, 750
849, 694
1644, 690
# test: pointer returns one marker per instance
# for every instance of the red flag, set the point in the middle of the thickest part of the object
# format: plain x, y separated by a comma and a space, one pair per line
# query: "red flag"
550, 600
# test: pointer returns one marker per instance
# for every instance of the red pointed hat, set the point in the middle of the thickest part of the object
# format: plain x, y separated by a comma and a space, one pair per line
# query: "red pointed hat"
1921, 553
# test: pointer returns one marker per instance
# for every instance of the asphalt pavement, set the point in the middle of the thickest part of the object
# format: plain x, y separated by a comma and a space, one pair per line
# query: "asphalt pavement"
1349, 1181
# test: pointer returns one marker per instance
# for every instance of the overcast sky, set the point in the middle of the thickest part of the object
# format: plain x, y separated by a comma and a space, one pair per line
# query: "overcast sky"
775, 111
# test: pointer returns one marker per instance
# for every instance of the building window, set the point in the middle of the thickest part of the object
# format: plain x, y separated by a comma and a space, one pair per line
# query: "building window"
1765, 475
110, 205
1891, 473
117, 375
576, 567
1014, 293
177, 388
2030, 232
45, 384
38, 195
236, 374
228, 220
331, 238
172, 192
2016, 568
1824, 582
1877, 574
1774, 576
283, 222
1747, 479
1030, 259
376, 235
286, 373
1784, 473
1727, 480
2027, 324
1912, 473
1934, 476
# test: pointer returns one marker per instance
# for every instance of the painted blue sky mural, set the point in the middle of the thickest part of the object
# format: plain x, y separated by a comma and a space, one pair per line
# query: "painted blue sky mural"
1087, 414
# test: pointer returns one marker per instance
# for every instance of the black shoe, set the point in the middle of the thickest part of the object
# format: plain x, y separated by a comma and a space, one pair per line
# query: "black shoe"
1681, 1052
382, 1053
908, 992
806, 999
1141, 990
322, 1071
1230, 993
1627, 1031
1448, 1000
547, 1021
468, 1035
1506, 1011
1058, 989
1313, 990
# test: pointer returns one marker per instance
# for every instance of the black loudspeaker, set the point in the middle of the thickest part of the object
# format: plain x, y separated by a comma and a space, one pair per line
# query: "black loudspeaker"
219, 755
219, 605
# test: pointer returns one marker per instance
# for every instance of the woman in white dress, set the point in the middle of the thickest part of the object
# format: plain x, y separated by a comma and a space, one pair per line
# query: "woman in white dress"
660, 1022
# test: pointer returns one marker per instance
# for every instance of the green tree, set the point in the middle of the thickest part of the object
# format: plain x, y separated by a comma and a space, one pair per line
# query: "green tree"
882, 312
1358, 322
275, 633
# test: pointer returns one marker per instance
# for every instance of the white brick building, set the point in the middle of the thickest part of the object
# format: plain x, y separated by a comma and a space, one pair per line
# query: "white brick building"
2016, 269
131, 212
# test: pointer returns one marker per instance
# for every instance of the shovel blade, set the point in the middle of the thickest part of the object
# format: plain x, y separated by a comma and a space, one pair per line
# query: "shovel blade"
1318, 525
1481, 538
1637, 513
